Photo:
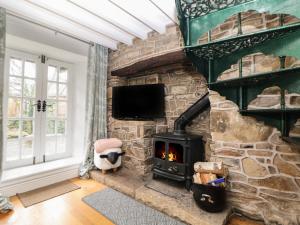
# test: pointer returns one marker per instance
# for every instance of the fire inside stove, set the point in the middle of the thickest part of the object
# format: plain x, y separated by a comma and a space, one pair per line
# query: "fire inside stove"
175, 153
171, 156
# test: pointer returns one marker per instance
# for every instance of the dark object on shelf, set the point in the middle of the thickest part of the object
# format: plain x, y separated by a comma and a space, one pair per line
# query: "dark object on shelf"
187, 116
138, 102
209, 198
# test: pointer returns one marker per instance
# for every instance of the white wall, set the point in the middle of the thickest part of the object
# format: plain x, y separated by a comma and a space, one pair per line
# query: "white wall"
79, 102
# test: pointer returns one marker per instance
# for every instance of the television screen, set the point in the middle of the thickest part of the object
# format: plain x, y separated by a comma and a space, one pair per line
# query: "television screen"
138, 102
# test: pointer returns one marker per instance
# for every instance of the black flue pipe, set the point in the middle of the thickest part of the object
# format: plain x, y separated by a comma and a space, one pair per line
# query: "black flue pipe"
186, 117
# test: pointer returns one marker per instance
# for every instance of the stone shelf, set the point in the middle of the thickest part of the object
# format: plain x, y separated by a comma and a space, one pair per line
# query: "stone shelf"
255, 78
171, 58
227, 46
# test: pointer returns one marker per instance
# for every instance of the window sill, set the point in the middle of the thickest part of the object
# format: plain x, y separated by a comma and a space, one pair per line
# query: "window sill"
28, 171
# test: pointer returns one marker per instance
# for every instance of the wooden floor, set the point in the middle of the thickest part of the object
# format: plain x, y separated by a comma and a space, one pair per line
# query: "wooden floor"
68, 209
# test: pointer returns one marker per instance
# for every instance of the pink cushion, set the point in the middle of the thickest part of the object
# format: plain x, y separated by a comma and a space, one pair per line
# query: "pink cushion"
104, 144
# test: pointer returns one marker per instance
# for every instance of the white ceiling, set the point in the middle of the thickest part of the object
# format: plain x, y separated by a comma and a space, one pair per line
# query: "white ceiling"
106, 22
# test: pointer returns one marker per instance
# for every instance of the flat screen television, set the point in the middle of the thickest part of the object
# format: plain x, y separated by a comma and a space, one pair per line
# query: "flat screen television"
138, 102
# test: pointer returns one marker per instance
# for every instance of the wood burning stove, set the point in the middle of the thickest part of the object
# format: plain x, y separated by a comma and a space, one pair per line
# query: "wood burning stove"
175, 153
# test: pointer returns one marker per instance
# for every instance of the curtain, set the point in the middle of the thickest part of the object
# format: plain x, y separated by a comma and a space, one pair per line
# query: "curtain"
5, 205
96, 120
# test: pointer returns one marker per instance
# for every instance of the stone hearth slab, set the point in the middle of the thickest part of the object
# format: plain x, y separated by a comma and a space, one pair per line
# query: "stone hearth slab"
123, 180
174, 200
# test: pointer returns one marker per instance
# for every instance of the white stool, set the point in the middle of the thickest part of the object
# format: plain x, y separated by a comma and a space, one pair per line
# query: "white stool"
103, 163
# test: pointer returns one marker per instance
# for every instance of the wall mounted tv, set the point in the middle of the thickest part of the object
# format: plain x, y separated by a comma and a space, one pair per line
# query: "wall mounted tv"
138, 102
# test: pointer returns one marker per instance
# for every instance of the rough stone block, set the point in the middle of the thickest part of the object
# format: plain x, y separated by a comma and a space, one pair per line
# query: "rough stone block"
253, 168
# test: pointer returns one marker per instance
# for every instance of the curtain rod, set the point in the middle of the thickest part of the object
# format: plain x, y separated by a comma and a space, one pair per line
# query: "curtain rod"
49, 28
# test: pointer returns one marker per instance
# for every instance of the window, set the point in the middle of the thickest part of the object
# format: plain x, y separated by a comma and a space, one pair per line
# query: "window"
37, 102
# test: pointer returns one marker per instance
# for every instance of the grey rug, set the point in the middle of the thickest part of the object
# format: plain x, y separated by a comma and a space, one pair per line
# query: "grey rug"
123, 210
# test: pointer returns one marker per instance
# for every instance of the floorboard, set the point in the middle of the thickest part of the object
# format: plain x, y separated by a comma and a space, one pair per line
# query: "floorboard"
67, 209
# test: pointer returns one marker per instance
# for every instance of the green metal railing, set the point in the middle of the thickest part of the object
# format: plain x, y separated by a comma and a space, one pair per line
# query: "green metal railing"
198, 17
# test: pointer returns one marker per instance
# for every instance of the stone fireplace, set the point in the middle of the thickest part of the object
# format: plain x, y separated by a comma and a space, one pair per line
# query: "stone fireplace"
264, 170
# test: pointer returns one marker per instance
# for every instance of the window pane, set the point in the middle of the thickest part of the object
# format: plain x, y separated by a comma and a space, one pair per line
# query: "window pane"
30, 69
28, 107
52, 73
14, 107
51, 127
61, 126
62, 92
62, 109
51, 109
15, 67
29, 88
63, 74
13, 129
50, 145
27, 149
15, 86
52, 90
13, 147
27, 128
61, 144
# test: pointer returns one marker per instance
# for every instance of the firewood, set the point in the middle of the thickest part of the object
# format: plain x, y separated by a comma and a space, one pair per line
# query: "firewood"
197, 178
222, 172
211, 167
208, 165
207, 177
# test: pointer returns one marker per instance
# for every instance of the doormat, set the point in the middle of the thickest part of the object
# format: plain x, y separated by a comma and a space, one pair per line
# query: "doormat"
45, 193
123, 210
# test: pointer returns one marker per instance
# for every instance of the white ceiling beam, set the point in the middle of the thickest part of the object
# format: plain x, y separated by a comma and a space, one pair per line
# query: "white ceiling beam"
107, 11
146, 12
76, 14
53, 21
167, 7
131, 15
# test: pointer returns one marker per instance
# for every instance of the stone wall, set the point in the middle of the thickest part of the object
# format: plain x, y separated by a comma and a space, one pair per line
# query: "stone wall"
264, 179
264, 171
183, 87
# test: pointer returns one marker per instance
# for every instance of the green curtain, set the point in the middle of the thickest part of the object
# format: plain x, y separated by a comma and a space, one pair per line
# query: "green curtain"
96, 105
5, 205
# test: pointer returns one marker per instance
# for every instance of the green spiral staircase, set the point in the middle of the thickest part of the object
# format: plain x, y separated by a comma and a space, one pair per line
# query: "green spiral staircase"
197, 17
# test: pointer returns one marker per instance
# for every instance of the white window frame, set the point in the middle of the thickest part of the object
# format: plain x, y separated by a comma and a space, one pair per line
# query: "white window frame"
41, 75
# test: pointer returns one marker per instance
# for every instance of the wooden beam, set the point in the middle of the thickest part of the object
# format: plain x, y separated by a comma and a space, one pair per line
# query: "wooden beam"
177, 59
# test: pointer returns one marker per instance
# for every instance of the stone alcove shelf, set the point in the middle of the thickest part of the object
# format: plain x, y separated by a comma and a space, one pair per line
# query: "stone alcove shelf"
198, 17
177, 59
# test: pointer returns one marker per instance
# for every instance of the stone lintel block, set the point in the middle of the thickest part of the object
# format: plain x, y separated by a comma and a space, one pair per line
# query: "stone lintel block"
277, 182
281, 194
260, 153
230, 152
263, 145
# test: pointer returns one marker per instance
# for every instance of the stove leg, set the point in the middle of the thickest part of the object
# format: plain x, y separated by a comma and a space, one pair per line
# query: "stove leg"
188, 184
154, 176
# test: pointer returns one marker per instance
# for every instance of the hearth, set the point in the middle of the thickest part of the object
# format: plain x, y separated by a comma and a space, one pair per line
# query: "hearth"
175, 153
